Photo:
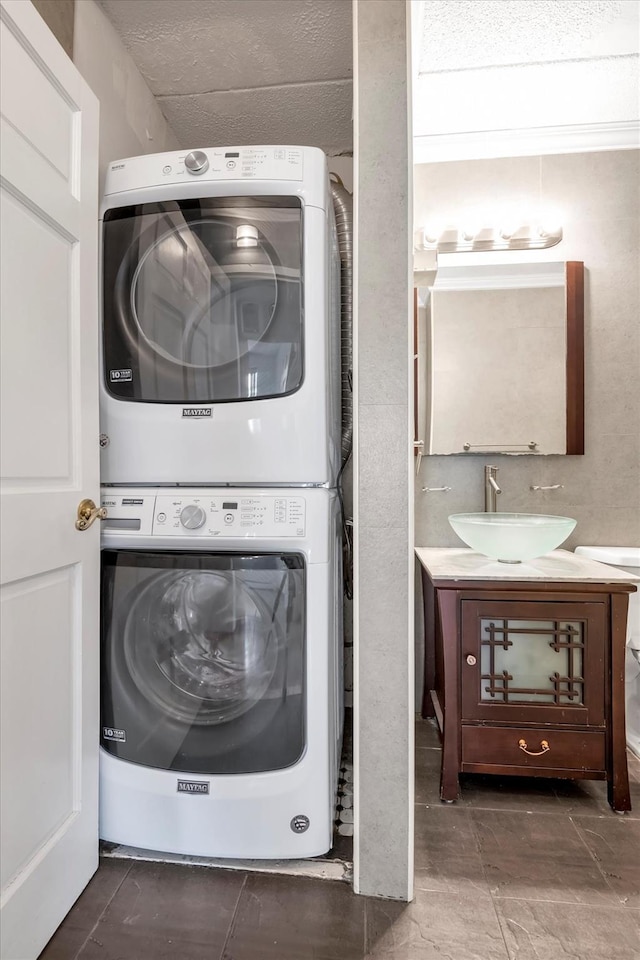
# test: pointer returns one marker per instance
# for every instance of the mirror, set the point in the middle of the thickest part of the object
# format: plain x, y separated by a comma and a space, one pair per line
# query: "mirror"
502, 356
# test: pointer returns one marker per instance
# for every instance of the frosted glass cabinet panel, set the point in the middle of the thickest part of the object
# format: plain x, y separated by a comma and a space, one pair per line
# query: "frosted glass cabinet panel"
531, 661
533, 656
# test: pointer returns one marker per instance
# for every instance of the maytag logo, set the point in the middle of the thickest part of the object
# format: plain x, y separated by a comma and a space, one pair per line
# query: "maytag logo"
196, 411
193, 786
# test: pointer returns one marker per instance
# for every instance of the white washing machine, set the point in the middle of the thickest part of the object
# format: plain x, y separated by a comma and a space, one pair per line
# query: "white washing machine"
221, 702
221, 325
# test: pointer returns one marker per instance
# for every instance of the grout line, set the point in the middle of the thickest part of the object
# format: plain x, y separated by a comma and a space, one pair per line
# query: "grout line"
102, 912
233, 916
569, 903
473, 808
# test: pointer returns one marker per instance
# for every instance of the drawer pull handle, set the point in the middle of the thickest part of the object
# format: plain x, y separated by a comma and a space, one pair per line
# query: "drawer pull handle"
471, 660
532, 753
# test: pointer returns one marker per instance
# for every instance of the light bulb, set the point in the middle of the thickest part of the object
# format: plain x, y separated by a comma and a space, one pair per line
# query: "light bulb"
431, 234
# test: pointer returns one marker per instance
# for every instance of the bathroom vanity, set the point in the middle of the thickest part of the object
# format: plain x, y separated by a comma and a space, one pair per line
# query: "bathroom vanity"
524, 667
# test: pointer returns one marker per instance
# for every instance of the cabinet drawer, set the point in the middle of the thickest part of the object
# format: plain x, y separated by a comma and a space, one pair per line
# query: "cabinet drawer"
571, 750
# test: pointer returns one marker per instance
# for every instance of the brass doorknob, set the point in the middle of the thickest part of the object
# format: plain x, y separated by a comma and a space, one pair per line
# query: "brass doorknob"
87, 513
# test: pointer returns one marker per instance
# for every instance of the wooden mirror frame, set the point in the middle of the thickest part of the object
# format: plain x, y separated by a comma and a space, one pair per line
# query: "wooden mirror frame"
574, 319
575, 356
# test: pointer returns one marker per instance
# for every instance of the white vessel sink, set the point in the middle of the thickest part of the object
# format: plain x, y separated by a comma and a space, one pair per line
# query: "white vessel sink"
511, 537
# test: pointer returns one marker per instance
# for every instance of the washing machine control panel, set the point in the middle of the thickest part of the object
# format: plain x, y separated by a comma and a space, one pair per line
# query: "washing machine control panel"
229, 515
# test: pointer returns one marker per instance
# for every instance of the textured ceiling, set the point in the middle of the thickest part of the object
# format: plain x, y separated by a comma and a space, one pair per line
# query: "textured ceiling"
469, 34
245, 71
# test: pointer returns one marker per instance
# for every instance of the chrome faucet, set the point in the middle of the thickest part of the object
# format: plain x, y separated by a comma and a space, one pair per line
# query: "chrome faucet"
491, 489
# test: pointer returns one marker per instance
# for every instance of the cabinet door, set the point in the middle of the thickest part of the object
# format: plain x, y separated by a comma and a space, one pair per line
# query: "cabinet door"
533, 662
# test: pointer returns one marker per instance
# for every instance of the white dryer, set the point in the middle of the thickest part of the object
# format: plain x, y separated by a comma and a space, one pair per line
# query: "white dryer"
221, 339
221, 704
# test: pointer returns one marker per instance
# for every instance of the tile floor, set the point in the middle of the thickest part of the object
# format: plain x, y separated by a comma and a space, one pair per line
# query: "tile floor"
516, 870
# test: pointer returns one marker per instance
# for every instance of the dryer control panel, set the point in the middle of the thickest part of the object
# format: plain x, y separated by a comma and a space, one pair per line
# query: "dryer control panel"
229, 515
226, 164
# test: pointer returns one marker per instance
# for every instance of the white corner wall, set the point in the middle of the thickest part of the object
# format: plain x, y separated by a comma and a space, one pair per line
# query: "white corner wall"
131, 122
383, 456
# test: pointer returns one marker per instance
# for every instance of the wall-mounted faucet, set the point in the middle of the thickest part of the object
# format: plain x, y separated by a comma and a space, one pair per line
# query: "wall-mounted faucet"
491, 489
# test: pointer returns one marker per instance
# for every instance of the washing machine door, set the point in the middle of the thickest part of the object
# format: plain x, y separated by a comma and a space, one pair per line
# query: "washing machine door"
203, 660
202, 300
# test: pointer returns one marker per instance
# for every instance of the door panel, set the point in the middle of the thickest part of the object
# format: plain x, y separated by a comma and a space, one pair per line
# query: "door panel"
43, 702
36, 347
49, 594
35, 106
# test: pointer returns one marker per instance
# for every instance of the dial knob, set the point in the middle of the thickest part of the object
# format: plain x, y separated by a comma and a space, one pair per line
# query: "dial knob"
192, 516
196, 162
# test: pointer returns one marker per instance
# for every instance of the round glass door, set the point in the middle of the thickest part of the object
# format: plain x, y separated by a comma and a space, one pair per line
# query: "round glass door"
197, 292
203, 300
200, 645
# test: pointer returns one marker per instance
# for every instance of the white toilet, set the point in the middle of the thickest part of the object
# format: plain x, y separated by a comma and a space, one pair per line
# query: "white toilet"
627, 558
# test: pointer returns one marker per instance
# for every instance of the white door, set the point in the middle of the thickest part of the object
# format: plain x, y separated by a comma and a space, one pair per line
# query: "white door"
50, 571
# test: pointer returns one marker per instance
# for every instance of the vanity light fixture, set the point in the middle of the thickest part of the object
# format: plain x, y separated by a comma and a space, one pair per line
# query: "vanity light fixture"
526, 236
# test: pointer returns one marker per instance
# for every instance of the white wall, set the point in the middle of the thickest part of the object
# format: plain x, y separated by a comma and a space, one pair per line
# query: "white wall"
383, 457
131, 122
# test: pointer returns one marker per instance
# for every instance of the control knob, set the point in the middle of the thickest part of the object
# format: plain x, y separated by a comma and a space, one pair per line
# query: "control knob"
196, 162
192, 516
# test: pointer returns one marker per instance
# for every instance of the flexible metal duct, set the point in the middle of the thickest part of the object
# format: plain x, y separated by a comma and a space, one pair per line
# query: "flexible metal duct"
343, 207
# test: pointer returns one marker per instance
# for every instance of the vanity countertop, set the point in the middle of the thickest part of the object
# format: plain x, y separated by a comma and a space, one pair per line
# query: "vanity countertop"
461, 563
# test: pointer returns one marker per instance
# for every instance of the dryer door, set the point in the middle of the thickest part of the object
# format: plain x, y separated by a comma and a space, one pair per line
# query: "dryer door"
202, 300
203, 660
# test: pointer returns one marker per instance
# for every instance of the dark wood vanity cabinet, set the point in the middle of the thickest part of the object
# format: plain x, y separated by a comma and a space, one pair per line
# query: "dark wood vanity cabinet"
527, 678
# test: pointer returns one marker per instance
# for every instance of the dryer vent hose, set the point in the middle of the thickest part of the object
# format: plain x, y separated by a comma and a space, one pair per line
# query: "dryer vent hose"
343, 207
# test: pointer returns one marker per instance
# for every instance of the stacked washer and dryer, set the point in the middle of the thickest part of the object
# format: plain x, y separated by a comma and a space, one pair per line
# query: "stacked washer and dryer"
221, 585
